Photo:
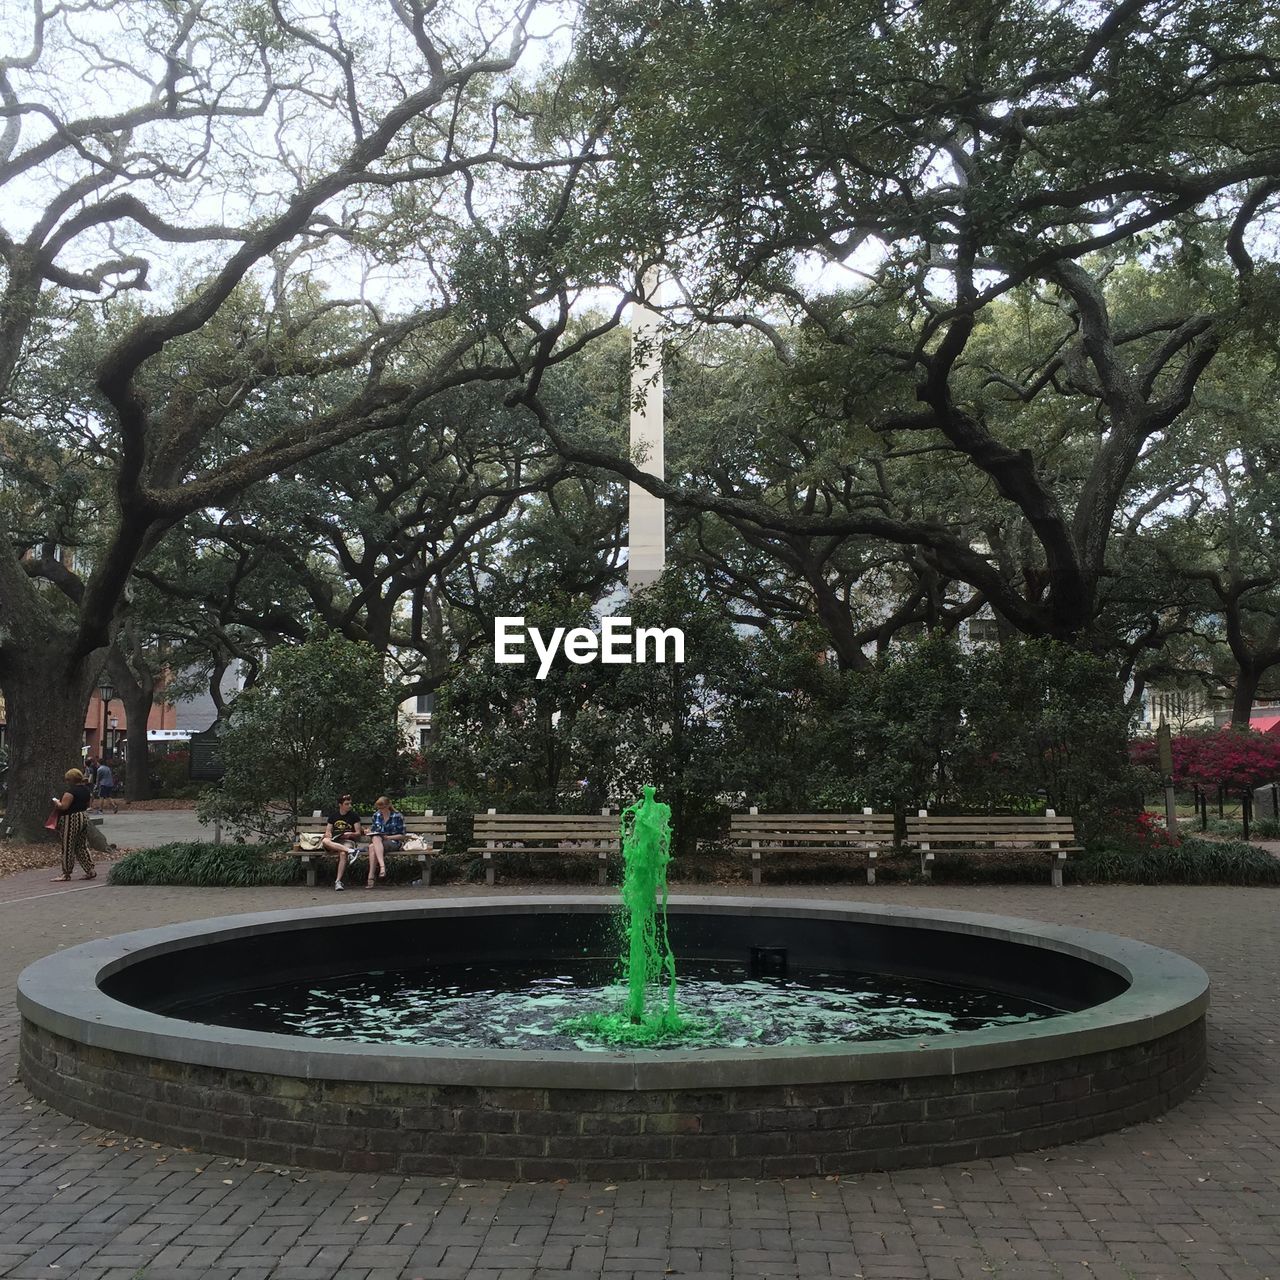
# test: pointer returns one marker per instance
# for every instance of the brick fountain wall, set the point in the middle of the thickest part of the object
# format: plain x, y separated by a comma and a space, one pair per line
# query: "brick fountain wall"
542, 1133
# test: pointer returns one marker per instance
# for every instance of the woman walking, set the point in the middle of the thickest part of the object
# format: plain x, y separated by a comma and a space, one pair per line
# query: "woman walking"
73, 825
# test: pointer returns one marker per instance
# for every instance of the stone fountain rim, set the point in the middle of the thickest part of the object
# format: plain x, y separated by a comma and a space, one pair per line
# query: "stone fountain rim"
60, 993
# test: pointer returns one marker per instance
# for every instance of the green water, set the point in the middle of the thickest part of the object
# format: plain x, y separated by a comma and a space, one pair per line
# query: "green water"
649, 1015
556, 1004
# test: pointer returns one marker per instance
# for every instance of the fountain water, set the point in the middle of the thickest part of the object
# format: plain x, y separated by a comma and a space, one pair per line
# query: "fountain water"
648, 962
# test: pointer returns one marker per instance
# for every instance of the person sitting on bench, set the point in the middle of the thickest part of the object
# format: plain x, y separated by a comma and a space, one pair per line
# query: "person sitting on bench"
341, 832
387, 832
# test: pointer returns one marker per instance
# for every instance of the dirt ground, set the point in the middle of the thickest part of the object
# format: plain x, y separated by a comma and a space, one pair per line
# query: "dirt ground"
24, 857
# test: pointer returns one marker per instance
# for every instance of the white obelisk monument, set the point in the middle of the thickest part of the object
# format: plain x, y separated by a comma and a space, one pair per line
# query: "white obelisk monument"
647, 540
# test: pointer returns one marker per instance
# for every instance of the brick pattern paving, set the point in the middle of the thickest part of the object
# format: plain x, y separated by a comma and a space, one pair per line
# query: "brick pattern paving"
1193, 1196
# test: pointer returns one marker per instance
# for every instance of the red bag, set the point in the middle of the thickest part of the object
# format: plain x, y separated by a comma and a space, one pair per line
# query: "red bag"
51, 822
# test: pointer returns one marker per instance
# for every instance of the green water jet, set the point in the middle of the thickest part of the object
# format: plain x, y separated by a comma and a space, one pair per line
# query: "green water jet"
648, 963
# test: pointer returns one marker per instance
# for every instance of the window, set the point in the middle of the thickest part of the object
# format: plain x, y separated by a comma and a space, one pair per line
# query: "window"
984, 631
426, 704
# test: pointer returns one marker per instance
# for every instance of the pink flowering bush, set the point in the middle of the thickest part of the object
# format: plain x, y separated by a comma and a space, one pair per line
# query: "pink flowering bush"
1151, 832
1237, 759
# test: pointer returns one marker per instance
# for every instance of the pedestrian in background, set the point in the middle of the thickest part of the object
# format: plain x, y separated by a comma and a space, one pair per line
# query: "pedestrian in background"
106, 787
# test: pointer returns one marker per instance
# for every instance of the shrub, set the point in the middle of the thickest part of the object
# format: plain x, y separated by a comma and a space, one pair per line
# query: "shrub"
200, 863
1194, 861
173, 775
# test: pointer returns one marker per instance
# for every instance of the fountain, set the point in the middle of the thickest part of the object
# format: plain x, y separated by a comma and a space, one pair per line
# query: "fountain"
810, 1037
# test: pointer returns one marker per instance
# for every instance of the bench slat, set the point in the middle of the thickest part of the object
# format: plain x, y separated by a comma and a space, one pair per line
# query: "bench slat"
547, 833
992, 831
840, 837
926, 833
599, 849
533, 819
965, 824
802, 833
800, 820
1003, 833
807, 848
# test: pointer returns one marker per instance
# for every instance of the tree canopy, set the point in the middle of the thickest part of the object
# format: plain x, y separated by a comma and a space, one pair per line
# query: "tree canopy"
308, 319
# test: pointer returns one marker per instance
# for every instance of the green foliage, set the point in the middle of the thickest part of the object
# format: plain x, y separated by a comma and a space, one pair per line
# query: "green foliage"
1194, 861
1020, 727
1043, 718
765, 720
321, 721
206, 865
1263, 829
903, 723
669, 724
505, 731
173, 772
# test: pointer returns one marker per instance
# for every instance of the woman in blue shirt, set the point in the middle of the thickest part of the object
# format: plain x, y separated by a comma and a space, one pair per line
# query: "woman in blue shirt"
387, 832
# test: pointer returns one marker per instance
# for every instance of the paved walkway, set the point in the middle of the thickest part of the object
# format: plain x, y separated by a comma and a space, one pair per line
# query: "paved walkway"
142, 828
1195, 1196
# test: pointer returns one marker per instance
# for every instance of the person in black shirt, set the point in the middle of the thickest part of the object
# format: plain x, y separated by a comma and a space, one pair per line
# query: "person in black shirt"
341, 832
73, 825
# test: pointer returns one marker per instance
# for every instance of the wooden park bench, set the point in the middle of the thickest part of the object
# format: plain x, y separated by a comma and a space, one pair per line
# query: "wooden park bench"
539, 833
848, 835
429, 828
1051, 835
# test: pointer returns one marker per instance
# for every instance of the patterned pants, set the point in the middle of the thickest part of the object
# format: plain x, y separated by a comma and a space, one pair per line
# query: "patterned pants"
74, 830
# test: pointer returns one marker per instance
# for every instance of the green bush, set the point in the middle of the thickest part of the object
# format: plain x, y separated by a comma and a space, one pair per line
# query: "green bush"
322, 720
1263, 829
235, 866
172, 770
1194, 861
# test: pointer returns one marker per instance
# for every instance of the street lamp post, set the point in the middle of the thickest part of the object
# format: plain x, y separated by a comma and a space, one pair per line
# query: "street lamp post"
106, 691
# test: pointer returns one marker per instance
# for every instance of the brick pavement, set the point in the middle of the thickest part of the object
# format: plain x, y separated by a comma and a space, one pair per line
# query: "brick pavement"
1194, 1196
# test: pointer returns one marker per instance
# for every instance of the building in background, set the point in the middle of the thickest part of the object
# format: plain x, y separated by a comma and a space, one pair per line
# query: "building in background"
416, 715
1185, 710
106, 725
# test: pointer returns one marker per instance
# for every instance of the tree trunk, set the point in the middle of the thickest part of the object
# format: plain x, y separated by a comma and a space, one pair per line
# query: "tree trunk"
136, 688
137, 706
1247, 681
46, 700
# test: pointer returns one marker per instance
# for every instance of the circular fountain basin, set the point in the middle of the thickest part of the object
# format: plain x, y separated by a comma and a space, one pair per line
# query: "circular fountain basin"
99, 1044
